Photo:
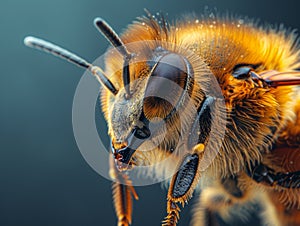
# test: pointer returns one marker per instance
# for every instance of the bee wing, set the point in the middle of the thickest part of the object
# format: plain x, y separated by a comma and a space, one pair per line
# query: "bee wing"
274, 78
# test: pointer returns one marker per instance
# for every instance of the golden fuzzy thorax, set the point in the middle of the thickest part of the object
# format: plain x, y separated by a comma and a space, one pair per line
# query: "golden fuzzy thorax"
255, 115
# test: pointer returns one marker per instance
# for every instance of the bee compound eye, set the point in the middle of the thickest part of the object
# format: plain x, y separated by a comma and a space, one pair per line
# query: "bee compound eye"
169, 81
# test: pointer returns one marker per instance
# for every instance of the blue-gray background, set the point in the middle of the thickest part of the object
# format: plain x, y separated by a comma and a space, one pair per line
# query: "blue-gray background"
44, 179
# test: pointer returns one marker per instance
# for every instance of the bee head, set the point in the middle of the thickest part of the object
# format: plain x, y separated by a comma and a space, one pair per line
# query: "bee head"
149, 85
153, 101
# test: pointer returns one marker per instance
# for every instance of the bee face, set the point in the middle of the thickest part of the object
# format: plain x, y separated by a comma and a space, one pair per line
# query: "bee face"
155, 98
127, 111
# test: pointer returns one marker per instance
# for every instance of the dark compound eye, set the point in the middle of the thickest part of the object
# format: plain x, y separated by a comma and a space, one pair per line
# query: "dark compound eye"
167, 85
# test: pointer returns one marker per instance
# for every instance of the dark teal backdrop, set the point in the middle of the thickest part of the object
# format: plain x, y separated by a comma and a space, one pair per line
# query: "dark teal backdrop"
43, 178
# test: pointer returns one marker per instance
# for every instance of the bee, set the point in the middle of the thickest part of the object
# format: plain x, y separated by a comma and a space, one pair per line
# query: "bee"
257, 160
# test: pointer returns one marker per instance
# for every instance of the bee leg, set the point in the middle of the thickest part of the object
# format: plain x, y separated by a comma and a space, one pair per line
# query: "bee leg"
281, 183
261, 173
183, 184
123, 191
122, 195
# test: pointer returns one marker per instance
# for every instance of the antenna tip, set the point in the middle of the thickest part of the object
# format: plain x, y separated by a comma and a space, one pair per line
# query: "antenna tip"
29, 40
32, 42
98, 21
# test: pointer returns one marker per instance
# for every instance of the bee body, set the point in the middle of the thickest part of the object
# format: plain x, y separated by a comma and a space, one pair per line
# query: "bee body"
257, 117
257, 156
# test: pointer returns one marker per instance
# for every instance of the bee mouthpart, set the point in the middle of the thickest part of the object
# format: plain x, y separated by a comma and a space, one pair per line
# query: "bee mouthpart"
123, 157
123, 154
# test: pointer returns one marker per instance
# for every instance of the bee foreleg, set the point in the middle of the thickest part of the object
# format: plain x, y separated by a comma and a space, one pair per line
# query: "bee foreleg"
183, 184
122, 195
263, 174
123, 191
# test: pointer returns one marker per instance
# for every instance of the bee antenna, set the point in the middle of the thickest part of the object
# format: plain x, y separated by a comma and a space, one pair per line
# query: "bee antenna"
116, 42
71, 57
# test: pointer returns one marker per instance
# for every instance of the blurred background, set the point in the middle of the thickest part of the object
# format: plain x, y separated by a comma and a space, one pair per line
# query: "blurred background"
44, 179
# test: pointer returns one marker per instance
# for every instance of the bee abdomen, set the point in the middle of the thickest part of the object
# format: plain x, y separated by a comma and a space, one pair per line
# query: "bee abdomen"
231, 186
